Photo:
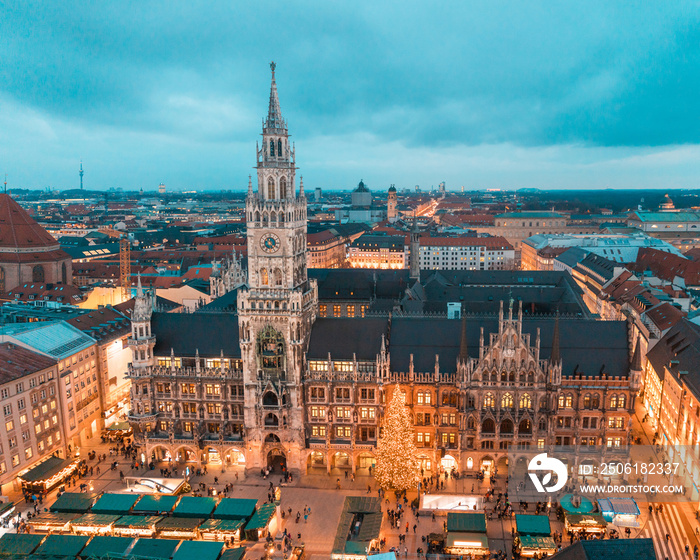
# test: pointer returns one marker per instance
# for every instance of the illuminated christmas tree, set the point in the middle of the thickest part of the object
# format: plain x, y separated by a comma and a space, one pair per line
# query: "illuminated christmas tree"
397, 459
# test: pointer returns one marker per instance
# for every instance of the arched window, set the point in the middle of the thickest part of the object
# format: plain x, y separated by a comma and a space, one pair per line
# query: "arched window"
543, 425
278, 277
270, 188
64, 274
525, 401
270, 399
2, 279
283, 187
613, 401
264, 280
587, 401
507, 401
489, 401
38, 273
272, 148
279, 148
525, 426
621, 401
257, 216
595, 401
488, 427
470, 423
507, 426
272, 420
273, 218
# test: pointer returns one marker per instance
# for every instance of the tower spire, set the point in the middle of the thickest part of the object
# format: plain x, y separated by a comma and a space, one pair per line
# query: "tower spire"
463, 349
274, 113
301, 186
637, 357
250, 184
555, 343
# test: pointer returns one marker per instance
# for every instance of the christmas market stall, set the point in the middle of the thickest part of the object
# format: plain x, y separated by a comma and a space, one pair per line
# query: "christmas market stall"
259, 525
533, 536
74, 502
228, 530
136, 526
48, 474
104, 547
117, 431
67, 546
93, 524
115, 504
51, 522
195, 506
19, 545
466, 534
622, 512
237, 554
161, 504
235, 508
154, 549
590, 523
358, 529
198, 549
179, 527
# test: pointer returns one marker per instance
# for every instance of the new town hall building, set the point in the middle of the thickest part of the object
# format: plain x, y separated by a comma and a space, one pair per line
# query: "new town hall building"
266, 379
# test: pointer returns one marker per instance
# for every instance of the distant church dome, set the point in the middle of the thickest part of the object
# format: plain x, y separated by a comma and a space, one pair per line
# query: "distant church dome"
667, 204
361, 187
392, 188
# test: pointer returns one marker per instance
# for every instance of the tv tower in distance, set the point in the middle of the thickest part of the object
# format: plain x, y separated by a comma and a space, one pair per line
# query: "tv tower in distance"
81, 174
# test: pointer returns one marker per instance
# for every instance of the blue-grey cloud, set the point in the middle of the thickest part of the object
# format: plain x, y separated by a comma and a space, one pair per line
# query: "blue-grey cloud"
174, 91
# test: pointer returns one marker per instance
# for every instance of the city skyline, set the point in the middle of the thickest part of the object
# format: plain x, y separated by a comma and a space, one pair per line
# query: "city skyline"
481, 96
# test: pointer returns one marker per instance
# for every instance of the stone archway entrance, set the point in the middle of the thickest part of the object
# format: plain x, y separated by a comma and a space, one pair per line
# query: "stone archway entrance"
276, 459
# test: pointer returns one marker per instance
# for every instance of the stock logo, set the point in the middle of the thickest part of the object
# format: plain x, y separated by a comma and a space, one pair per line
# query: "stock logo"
541, 463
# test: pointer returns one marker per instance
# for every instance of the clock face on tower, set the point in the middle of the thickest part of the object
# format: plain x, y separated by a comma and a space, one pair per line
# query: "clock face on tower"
270, 243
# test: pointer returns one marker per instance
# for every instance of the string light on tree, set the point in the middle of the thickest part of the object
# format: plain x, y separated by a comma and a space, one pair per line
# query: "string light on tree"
397, 458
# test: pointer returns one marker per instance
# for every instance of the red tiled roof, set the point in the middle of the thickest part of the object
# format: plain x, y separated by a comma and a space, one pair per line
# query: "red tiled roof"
21, 238
664, 316
667, 266
37, 291
489, 242
17, 361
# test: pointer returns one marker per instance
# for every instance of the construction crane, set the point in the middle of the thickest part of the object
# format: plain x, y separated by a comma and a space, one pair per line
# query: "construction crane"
125, 267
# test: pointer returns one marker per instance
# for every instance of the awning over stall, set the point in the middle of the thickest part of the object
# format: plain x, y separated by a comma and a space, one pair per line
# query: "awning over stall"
117, 504
199, 550
51, 521
49, 473
68, 546
235, 508
191, 506
160, 549
74, 502
18, 546
155, 503
102, 545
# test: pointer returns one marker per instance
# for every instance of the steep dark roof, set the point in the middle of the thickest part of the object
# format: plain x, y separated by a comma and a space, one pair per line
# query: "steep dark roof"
585, 346
226, 303
343, 337
210, 333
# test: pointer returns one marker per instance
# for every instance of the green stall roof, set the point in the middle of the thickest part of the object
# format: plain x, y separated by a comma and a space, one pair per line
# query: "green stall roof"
226, 525
198, 549
261, 518
101, 545
233, 554
94, 520
155, 503
74, 502
235, 508
4, 507
119, 427
12, 544
181, 523
47, 469
466, 522
533, 525
137, 521
154, 548
115, 503
68, 546
191, 506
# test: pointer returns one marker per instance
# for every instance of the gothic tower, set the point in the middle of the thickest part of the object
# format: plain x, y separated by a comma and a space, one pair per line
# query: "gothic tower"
278, 305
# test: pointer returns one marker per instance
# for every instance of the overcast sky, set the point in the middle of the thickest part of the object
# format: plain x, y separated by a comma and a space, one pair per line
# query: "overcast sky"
481, 94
